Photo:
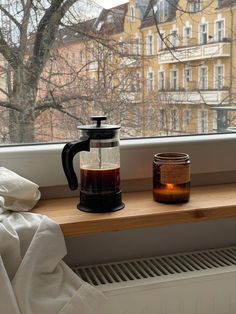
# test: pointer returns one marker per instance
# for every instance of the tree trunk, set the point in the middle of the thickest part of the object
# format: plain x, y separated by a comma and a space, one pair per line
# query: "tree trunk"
21, 128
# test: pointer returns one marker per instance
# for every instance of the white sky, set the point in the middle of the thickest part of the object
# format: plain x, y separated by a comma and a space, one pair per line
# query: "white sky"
110, 3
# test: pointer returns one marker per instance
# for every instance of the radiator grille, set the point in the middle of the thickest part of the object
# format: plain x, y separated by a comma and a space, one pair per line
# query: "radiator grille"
129, 270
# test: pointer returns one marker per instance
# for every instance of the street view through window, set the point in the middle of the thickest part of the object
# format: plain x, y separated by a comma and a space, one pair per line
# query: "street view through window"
155, 67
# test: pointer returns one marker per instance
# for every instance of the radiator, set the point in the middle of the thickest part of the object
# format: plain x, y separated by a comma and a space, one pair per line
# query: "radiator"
200, 282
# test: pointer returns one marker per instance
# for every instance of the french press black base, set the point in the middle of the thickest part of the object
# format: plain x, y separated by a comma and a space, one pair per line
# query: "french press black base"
110, 202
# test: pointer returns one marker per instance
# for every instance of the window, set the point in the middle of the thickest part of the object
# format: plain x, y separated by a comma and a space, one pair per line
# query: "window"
161, 80
174, 79
162, 118
203, 77
160, 40
187, 35
203, 34
187, 118
219, 76
162, 10
82, 56
149, 45
174, 120
202, 121
187, 77
219, 30
136, 47
174, 38
194, 6
150, 82
121, 47
132, 14
41, 163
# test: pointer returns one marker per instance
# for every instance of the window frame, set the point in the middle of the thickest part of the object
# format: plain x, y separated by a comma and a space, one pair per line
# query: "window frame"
209, 154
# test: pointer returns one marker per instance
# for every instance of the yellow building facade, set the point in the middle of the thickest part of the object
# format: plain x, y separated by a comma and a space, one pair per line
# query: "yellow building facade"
177, 59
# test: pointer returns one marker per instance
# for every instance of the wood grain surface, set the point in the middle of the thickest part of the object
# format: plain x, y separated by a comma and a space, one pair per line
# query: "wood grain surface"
206, 203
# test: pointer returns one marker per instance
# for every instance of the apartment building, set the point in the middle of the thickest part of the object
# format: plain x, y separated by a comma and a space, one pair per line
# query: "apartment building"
182, 55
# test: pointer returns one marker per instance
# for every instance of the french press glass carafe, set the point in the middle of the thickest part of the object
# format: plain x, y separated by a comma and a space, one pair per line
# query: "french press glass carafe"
99, 167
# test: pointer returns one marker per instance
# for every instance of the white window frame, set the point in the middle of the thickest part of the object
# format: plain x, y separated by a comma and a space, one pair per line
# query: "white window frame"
201, 41
42, 163
160, 42
216, 81
200, 78
187, 117
161, 83
186, 38
150, 90
186, 83
149, 45
217, 37
172, 79
174, 119
136, 46
174, 39
202, 121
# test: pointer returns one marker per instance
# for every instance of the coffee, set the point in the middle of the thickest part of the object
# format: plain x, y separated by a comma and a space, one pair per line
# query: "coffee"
100, 180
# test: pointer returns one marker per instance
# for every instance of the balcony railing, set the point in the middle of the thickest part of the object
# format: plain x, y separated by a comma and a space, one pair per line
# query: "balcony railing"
197, 52
210, 97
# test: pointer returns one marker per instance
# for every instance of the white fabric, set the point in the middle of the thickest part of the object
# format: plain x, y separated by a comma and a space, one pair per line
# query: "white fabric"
33, 277
16, 192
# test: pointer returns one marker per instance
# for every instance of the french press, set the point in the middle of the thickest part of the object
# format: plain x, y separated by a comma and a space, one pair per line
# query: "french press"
99, 167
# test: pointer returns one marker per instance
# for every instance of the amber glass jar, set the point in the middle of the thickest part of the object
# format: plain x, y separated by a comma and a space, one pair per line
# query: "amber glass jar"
171, 178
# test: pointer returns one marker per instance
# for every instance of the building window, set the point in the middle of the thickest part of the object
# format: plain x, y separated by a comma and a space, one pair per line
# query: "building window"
203, 34
220, 30
149, 45
202, 121
161, 80
203, 78
81, 55
187, 35
121, 47
162, 9
219, 76
186, 117
150, 82
174, 120
194, 6
162, 119
160, 40
187, 77
132, 14
136, 47
174, 79
174, 38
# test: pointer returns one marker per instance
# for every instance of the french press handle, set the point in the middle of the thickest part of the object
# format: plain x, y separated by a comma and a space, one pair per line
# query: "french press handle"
67, 156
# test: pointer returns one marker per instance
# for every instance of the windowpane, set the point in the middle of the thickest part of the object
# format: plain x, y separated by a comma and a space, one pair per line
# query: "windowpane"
56, 72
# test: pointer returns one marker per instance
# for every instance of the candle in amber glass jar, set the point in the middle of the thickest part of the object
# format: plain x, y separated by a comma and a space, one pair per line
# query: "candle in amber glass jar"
171, 178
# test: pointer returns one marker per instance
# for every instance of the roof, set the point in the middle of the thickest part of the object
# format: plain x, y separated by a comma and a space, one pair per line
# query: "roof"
149, 19
111, 21
75, 32
141, 5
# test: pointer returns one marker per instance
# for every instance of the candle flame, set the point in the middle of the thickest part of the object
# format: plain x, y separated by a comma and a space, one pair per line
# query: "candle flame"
170, 186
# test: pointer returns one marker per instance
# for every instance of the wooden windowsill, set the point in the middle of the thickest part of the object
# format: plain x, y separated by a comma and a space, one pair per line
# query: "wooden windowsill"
206, 203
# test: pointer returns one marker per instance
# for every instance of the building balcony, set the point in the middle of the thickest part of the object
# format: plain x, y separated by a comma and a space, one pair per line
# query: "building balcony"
210, 97
196, 52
